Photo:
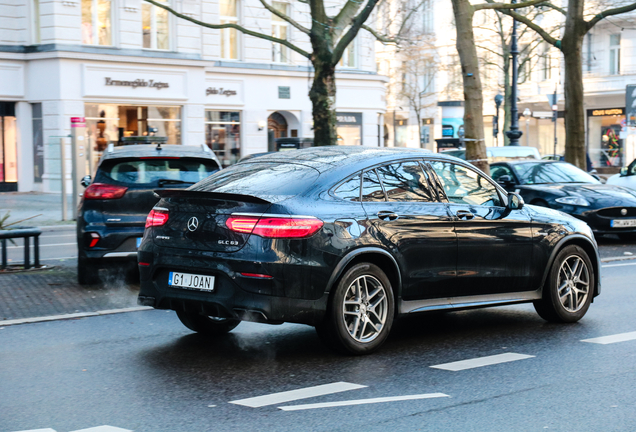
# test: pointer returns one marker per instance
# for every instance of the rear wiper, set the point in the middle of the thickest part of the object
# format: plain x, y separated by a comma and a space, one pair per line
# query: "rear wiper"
163, 182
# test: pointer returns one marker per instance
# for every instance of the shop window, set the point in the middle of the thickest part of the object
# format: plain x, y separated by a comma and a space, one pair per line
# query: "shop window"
8, 147
615, 54
349, 128
280, 30
155, 24
605, 145
96, 22
38, 143
349, 57
229, 37
223, 135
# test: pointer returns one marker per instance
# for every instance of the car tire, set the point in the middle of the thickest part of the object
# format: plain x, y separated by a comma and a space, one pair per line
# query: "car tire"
569, 289
87, 273
360, 311
206, 325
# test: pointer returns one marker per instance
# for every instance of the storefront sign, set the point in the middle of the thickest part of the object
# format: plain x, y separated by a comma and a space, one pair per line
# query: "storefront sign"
605, 112
344, 119
220, 91
136, 83
284, 92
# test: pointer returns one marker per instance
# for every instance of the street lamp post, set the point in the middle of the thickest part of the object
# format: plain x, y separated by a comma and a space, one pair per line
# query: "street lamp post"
495, 123
527, 113
514, 133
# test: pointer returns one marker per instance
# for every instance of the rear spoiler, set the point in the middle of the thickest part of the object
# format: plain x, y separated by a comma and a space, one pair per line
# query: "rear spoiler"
184, 193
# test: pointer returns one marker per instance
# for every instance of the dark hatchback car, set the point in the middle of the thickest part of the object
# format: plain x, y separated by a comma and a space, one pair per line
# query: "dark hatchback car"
348, 238
113, 210
607, 209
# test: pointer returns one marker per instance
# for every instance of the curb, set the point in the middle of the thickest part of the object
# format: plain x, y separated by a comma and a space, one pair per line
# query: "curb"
72, 316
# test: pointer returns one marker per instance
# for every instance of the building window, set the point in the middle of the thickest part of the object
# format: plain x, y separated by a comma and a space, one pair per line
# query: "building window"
229, 37
96, 22
349, 56
427, 16
223, 135
280, 30
37, 38
615, 54
546, 63
428, 83
38, 143
155, 24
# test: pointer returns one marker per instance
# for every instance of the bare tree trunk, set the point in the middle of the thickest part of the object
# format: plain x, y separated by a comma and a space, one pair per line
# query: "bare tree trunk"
473, 98
323, 101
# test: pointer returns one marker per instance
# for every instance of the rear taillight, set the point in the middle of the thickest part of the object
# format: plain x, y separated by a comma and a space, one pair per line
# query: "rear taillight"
275, 227
104, 191
91, 239
156, 218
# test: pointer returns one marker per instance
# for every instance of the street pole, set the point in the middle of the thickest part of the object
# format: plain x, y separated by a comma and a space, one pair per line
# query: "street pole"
514, 133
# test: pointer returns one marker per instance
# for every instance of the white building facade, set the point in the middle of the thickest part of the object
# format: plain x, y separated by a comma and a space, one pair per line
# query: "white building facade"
131, 69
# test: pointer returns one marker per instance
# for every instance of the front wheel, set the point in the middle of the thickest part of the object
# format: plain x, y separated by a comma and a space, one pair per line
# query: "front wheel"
205, 325
361, 311
569, 289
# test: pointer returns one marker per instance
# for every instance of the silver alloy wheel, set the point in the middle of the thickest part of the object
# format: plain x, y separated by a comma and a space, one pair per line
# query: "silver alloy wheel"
574, 283
365, 308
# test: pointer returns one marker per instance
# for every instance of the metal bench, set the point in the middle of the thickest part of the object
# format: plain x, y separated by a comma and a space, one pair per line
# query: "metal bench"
24, 233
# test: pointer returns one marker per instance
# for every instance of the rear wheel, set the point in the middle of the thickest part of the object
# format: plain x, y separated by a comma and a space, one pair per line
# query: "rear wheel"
361, 311
570, 287
87, 273
206, 325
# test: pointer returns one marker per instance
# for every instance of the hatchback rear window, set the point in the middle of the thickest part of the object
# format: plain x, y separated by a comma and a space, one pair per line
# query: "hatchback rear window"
261, 180
156, 171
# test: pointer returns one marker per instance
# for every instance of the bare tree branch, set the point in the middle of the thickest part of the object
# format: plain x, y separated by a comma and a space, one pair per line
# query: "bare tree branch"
556, 8
544, 34
284, 17
379, 37
345, 17
505, 6
356, 24
591, 23
234, 26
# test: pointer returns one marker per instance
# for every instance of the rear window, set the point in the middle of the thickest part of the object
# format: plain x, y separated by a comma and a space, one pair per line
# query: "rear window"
261, 180
155, 171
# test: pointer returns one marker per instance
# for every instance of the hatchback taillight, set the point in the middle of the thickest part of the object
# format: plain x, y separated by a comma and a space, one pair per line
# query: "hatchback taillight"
275, 227
104, 191
156, 218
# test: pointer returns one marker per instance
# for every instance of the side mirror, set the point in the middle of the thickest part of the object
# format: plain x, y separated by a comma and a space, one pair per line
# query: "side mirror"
624, 172
515, 202
505, 181
86, 181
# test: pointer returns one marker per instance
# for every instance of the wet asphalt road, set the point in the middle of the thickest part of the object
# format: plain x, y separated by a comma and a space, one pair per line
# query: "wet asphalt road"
144, 371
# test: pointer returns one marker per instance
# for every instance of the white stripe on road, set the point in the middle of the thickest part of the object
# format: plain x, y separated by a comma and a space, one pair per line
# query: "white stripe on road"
44, 245
292, 395
39, 430
618, 265
482, 361
361, 401
72, 316
604, 340
104, 429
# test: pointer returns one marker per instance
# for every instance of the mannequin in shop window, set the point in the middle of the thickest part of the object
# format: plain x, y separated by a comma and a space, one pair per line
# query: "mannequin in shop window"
611, 148
101, 141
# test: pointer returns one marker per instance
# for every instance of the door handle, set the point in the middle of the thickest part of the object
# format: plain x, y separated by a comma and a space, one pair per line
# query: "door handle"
464, 214
387, 214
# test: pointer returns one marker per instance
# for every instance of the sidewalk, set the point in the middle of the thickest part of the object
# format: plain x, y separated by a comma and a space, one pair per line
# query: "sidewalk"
55, 291
22, 205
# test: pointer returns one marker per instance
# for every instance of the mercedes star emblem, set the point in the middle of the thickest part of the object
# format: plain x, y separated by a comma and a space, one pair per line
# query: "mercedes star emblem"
193, 224
624, 212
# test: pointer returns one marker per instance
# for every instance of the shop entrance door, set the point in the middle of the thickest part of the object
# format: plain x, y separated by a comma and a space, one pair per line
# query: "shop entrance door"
8, 148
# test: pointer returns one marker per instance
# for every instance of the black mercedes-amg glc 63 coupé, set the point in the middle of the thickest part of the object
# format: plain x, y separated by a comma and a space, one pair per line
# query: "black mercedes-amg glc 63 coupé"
346, 239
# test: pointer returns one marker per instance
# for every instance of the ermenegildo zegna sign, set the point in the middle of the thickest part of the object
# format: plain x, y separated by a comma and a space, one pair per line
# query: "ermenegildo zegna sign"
136, 83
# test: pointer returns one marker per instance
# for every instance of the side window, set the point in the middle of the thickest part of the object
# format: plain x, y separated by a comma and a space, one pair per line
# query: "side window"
632, 168
371, 187
496, 172
405, 182
465, 186
349, 190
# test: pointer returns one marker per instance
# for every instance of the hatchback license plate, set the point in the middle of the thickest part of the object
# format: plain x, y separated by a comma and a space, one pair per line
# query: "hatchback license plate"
139, 241
187, 280
621, 223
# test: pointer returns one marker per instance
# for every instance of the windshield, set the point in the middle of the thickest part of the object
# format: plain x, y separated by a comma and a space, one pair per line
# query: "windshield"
155, 171
555, 172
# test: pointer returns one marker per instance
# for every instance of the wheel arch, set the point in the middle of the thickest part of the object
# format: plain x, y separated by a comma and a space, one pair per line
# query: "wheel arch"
584, 243
373, 255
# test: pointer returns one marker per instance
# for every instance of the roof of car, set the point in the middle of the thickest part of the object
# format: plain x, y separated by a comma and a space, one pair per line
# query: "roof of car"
145, 150
329, 158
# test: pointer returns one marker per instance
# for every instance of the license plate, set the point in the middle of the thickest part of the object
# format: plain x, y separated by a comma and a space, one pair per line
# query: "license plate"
621, 223
187, 280
138, 241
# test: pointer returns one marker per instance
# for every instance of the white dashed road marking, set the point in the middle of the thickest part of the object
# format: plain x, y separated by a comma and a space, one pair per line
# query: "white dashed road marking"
361, 401
303, 393
618, 265
93, 429
39, 430
482, 361
604, 340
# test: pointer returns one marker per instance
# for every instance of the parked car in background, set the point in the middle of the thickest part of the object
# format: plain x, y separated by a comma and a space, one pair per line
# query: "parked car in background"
114, 206
501, 153
554, 157
348, 238
607, 209
626, 178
